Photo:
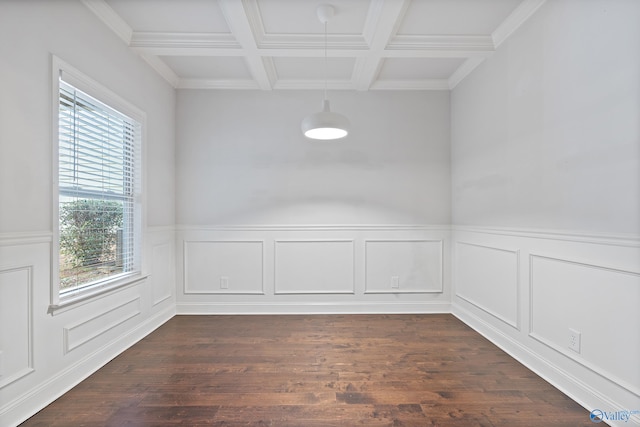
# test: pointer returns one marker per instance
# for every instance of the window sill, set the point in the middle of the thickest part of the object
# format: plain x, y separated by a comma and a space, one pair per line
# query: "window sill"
87, 295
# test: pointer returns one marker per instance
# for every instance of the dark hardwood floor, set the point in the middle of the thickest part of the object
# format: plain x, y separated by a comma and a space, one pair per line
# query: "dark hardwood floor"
337, 370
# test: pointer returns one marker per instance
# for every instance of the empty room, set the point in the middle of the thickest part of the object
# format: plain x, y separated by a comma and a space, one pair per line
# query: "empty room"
320, 213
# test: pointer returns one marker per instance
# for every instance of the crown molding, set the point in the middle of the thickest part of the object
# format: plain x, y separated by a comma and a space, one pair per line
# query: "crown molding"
217, 84
445, 46
222, 41
313, 84
426, 84
314, 42
433, 84
110, 18
519, 16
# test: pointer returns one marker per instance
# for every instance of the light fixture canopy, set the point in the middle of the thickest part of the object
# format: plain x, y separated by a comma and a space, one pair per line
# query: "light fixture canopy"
325, 125
325, 12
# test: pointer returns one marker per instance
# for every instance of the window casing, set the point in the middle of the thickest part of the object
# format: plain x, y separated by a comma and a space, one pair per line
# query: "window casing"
98, 199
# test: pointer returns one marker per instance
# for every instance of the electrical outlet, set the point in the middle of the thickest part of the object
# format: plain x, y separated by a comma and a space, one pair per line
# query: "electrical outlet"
574, 340
224, 282
395, 282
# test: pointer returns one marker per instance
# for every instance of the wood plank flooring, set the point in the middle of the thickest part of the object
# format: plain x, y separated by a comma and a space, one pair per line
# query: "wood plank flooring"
333, 370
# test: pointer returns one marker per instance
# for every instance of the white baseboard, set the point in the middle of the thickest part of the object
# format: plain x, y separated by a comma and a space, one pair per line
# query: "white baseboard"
22, 408
26, 405
573, 387
314, 308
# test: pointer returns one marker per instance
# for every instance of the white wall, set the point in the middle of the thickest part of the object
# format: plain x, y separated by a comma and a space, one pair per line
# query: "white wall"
546, 198
242, 159
42, 355
294, 225
546, 133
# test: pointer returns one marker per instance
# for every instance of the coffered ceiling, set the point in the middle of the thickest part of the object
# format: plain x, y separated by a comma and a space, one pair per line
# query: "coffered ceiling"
279, 44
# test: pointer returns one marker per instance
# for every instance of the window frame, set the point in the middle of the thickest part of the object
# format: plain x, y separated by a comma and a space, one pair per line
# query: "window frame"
77, 79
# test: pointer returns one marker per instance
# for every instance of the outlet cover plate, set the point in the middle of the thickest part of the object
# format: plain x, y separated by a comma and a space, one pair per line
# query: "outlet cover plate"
395, 282
574, 340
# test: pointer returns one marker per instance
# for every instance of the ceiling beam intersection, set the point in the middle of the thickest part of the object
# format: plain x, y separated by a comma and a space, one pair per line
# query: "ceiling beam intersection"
248, 38
382, 22
242, 28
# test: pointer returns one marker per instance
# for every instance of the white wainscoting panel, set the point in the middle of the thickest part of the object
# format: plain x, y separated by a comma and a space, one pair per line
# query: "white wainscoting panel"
593, 300
587, 282
487, 277
314, 267
16, 347
404, 266
97, 326
223, 267
42, 355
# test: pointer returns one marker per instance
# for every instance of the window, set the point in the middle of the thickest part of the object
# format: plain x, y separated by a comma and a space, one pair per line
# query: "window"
98, 206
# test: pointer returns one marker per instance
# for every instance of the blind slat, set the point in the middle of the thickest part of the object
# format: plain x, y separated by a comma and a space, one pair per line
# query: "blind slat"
98, 180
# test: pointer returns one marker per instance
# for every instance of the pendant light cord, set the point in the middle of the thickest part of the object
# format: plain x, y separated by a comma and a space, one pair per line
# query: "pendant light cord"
325, 60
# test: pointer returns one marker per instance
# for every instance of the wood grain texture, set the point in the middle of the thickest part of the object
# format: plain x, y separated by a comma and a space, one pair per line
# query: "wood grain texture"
333, 370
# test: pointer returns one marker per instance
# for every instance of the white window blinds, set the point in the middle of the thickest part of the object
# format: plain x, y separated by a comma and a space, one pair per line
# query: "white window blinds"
98, 183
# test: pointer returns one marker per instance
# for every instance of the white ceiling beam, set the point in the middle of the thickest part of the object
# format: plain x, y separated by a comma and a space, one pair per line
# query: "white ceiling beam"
378, 41
270, 69
252, 12
241, 27
259, 71
382, 22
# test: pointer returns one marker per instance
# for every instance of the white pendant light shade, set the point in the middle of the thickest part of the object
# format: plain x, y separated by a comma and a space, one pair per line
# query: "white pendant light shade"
325, 125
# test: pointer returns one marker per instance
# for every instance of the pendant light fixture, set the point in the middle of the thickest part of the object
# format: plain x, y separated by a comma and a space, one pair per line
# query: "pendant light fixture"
325, 125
